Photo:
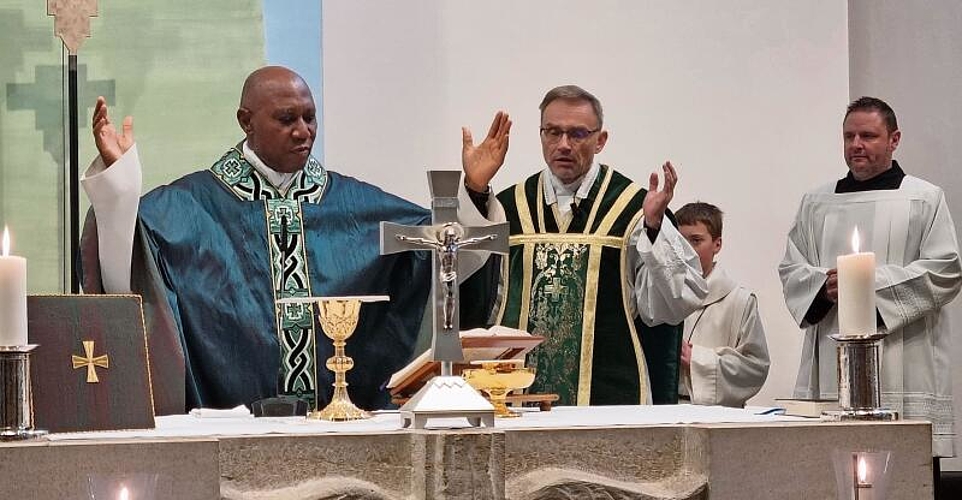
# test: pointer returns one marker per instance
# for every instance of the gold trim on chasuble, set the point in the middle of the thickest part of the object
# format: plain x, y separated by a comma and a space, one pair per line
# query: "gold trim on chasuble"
594, 208
527, 227
290, 274
551, 261
627, 286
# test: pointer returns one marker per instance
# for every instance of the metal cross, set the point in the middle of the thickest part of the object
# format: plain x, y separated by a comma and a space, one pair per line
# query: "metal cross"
90, 362
445, 238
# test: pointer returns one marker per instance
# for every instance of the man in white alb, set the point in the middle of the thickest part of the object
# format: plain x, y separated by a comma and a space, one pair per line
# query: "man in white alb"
906, 222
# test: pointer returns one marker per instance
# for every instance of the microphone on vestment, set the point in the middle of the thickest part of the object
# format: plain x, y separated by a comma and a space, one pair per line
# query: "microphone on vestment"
576, 210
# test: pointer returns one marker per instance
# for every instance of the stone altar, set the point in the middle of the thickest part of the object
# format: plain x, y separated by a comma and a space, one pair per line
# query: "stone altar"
600, 452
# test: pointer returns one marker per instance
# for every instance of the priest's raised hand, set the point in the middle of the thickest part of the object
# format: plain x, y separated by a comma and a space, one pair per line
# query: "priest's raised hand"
656, 202
110, 144
481, 162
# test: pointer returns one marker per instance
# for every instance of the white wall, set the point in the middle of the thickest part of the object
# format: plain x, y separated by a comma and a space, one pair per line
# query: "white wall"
910, 57
746, 98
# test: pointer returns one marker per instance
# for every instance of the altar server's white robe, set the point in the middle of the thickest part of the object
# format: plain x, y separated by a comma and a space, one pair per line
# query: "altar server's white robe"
729, 355
918, 272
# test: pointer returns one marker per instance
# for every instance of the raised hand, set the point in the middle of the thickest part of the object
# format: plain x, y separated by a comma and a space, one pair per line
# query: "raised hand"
481, 162
111, 144
656, 202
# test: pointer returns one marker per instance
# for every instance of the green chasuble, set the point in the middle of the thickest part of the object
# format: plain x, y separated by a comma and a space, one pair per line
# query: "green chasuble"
567, 280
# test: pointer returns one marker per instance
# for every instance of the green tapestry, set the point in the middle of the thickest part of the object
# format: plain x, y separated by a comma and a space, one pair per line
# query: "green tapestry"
176, 66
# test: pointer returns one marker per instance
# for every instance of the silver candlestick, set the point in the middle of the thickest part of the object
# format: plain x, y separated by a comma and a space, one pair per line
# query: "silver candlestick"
859, 394
16, 396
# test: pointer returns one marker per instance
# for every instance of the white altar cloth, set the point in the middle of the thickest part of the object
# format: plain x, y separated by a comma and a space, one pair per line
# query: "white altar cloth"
190, 426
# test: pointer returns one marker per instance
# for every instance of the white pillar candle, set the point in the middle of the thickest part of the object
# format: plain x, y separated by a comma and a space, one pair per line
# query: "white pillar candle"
13, 296
856, 291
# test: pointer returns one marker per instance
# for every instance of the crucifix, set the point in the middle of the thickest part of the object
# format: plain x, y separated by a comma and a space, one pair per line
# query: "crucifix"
447, 395
445, 238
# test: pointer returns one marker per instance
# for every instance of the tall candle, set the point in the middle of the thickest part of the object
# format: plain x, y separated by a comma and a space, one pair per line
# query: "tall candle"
13, 296
856, 291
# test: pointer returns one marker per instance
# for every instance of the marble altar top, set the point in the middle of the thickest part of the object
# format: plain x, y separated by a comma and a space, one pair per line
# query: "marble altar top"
234, 423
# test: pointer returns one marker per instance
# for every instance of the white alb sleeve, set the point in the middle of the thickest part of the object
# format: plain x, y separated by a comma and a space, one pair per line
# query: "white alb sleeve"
114, 194
668, 283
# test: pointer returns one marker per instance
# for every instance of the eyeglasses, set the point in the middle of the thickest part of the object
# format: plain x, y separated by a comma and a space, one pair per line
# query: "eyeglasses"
575, 135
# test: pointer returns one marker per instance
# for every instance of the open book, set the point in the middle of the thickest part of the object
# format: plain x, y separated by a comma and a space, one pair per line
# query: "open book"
497, 342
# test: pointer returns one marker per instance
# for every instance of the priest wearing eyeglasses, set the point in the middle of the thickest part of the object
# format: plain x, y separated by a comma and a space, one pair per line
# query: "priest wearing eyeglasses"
592, 265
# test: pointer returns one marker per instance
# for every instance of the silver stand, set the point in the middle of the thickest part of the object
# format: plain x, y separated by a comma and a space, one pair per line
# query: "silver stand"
16, 398
859, 395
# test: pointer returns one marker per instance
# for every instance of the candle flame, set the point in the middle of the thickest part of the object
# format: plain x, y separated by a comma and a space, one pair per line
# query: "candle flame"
6, 241
124, 494
855, 241
862, 470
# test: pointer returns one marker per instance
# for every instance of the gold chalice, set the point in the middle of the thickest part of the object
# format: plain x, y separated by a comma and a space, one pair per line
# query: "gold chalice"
338, 317
497, 378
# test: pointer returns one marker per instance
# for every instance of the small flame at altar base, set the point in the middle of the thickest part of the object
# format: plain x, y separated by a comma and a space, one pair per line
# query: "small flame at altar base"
862, 471
862, 475
855, 241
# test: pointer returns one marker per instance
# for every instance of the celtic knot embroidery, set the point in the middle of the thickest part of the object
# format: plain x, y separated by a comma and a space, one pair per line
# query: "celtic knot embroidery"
247, 184
288, 258
313, 168
232, 170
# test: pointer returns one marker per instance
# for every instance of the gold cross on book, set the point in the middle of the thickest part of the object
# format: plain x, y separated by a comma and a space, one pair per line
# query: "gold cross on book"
90, 362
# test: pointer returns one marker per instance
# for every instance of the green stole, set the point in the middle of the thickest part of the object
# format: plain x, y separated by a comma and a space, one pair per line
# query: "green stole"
569, 282
288, 256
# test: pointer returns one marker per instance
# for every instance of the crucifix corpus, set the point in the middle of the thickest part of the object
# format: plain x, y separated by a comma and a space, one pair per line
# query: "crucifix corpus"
446, 395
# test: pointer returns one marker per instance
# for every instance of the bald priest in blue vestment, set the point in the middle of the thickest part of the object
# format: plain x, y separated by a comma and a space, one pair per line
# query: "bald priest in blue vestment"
212, 251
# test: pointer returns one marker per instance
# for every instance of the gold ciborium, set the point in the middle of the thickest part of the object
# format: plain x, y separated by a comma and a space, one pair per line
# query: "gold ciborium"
497, 378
